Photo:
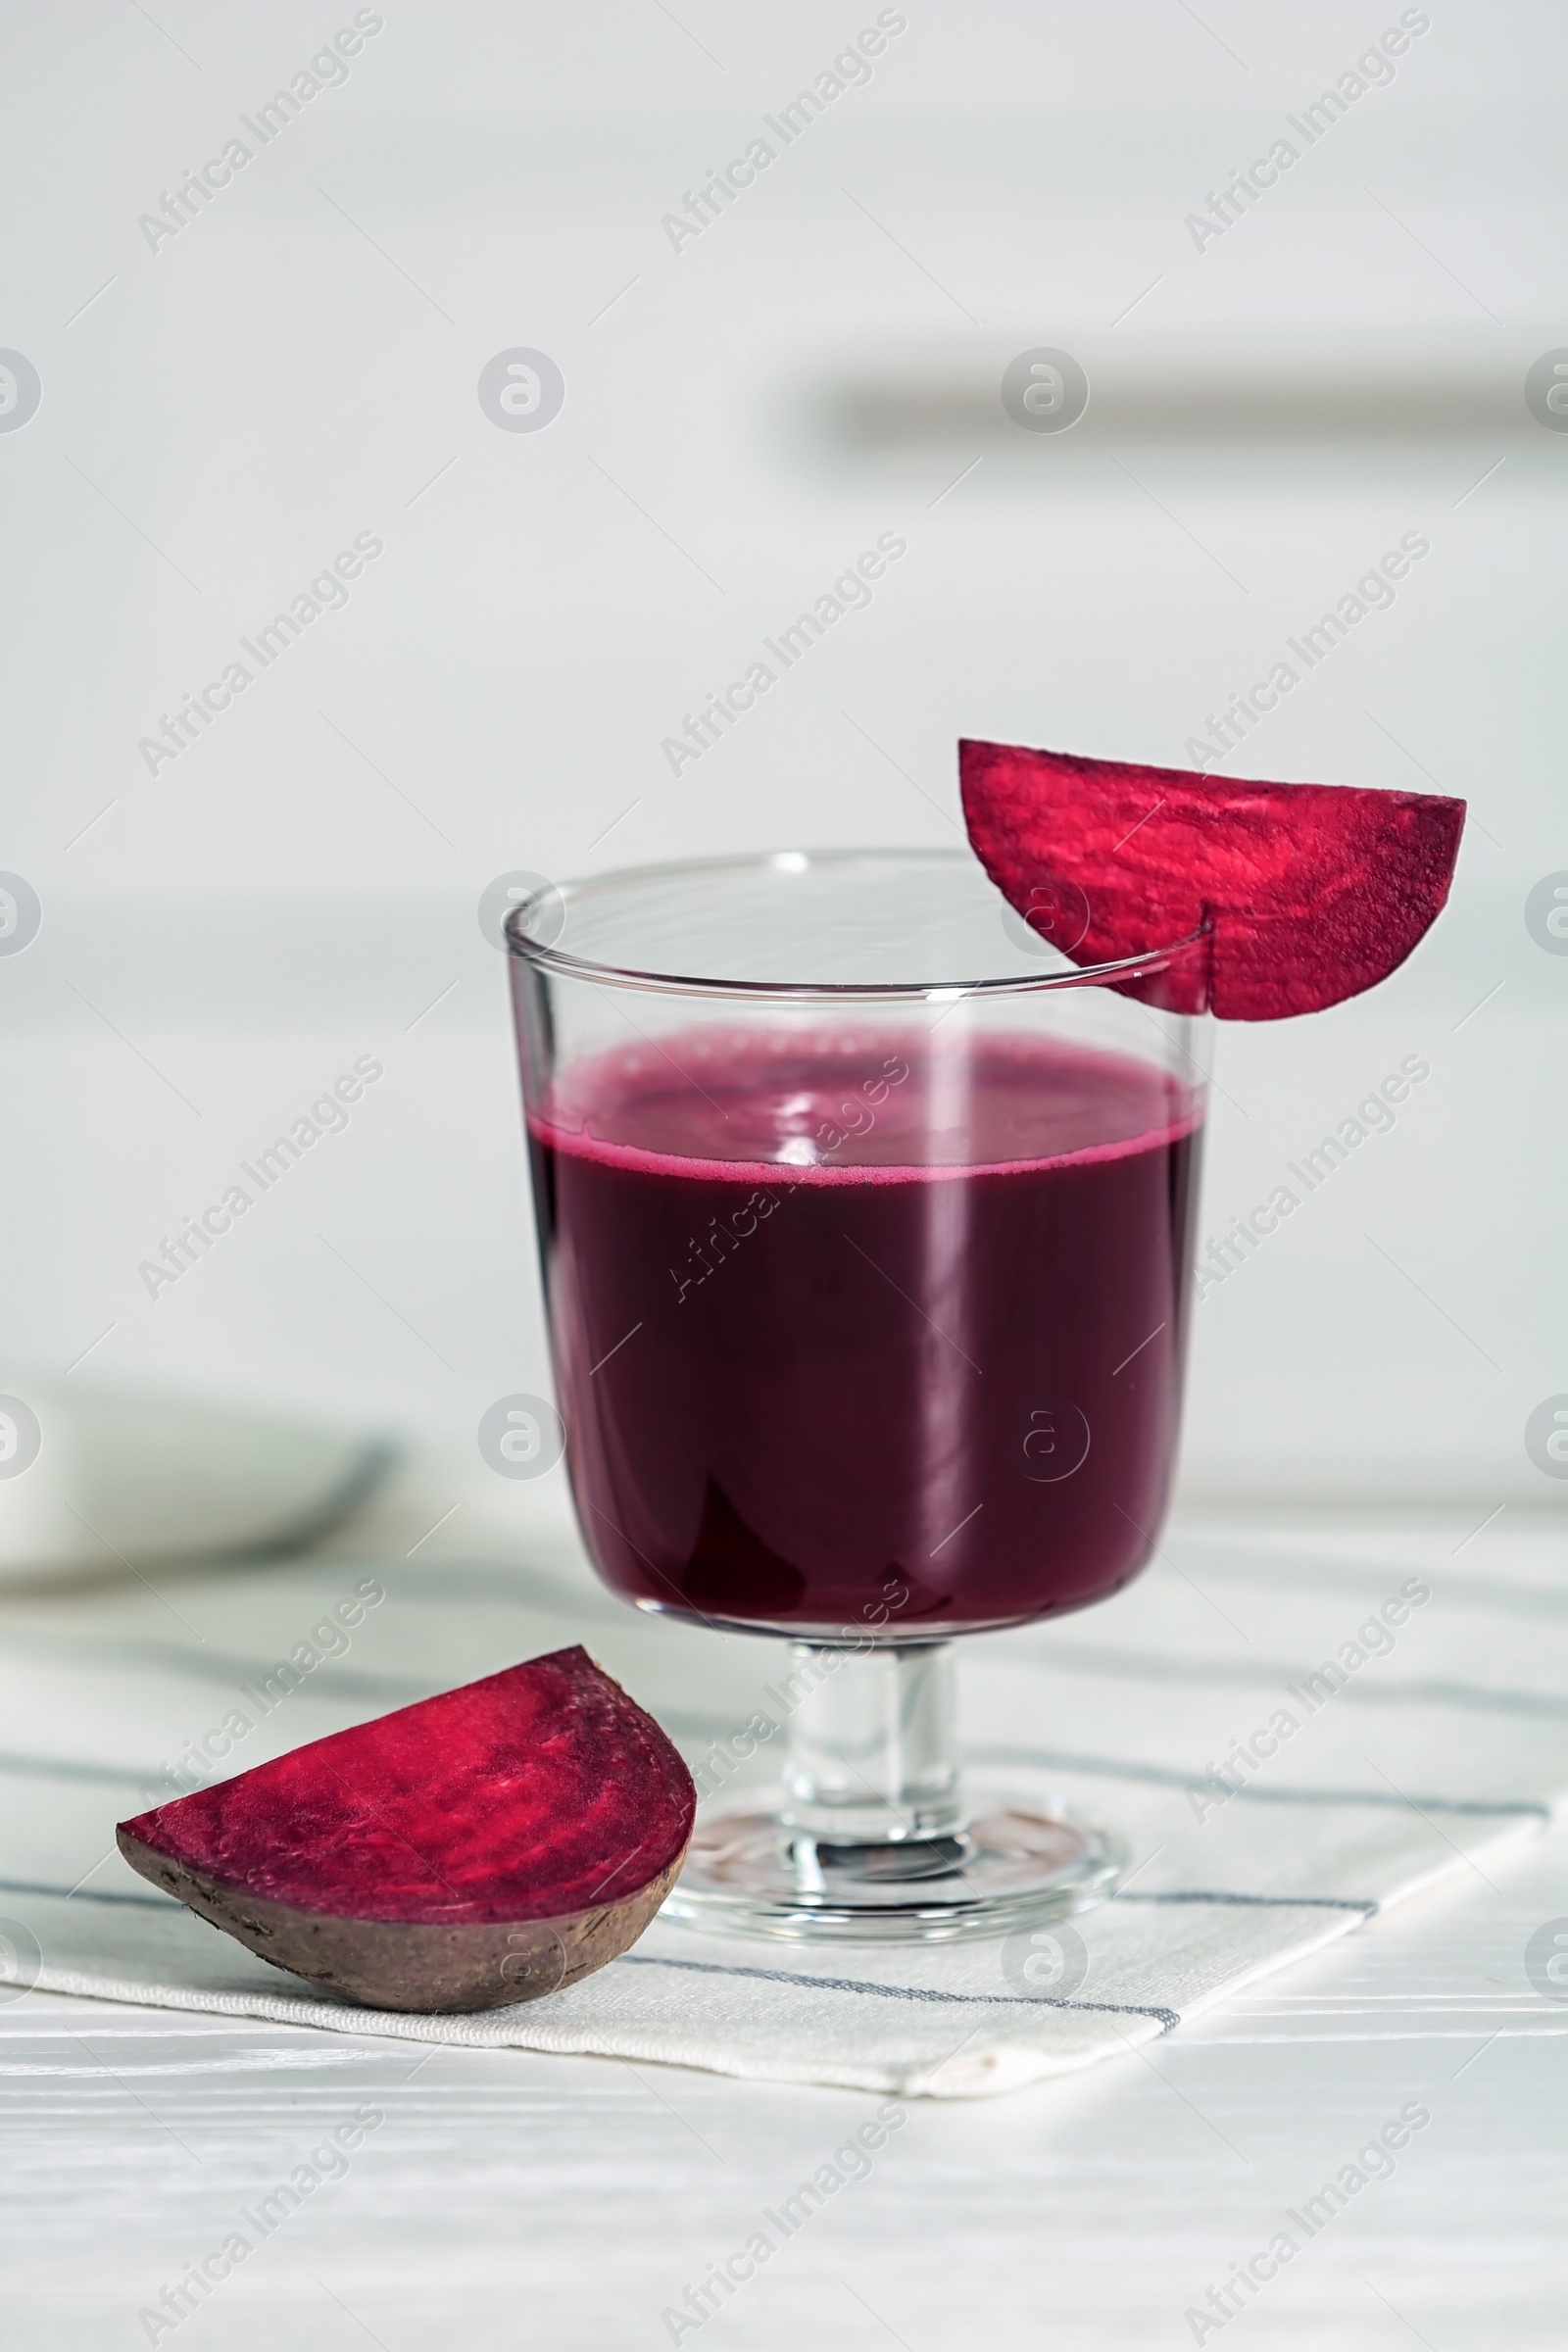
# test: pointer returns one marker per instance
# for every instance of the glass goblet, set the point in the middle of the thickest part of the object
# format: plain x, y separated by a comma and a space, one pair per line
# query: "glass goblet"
865, 1218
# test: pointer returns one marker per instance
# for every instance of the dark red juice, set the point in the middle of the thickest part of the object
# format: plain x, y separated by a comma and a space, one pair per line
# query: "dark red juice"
867, 1329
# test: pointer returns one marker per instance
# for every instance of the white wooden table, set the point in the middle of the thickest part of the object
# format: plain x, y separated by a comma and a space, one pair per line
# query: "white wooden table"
509, 2200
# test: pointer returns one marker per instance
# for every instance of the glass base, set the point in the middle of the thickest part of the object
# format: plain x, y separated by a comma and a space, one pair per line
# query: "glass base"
752, 1871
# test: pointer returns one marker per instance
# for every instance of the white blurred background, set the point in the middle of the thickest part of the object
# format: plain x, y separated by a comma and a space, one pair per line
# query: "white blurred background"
225, 409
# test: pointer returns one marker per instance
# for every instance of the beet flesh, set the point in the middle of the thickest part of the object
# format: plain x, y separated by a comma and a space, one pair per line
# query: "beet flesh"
1313, 892
483, 1847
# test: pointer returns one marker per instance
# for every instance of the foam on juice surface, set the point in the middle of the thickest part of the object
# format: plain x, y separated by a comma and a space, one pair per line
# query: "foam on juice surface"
858, 1107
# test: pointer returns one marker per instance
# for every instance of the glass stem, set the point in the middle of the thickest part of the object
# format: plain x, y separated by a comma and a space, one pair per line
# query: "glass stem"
872, 1757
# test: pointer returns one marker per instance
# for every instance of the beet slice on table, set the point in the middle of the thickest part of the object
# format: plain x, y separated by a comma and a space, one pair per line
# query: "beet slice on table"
483, 1847
1314, 892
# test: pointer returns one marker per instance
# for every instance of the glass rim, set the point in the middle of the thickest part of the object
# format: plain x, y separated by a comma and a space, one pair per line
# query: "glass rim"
557, 960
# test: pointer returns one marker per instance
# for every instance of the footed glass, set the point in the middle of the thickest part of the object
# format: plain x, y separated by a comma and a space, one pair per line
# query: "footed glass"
864, 1218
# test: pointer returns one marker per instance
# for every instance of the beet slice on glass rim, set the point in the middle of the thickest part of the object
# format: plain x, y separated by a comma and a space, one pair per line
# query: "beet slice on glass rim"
487, 1846
1311, 892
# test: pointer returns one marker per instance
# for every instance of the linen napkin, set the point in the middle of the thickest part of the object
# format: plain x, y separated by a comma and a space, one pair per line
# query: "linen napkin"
1293, 1723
